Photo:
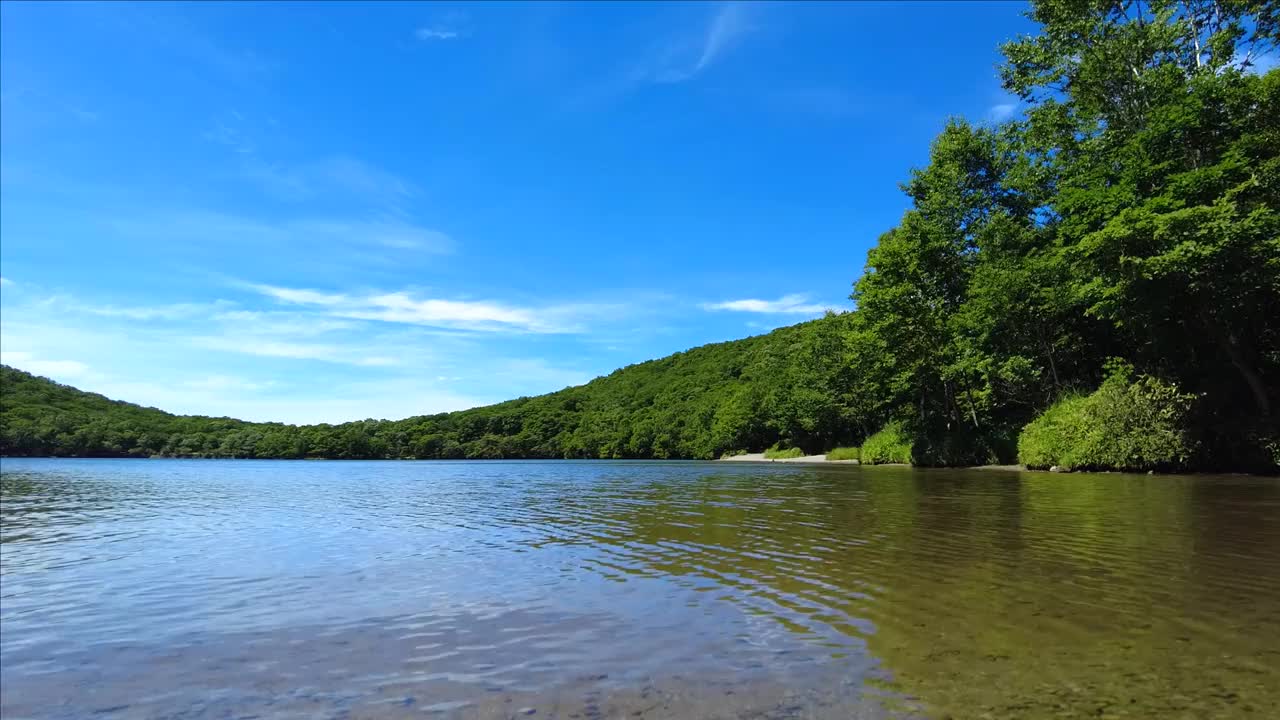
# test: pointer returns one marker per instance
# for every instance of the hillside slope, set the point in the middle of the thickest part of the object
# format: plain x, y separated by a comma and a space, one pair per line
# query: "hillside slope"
786, 386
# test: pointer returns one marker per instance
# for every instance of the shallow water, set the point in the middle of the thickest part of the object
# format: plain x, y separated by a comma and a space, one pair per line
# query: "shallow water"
167, 588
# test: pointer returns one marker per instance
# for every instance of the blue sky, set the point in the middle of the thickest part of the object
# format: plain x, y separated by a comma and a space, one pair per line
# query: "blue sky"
337, 211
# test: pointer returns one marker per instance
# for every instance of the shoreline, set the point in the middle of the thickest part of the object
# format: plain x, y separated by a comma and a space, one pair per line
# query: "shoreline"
759, 457
822, 460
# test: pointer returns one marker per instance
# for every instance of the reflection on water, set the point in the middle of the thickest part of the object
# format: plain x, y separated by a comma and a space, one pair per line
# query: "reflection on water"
227, 588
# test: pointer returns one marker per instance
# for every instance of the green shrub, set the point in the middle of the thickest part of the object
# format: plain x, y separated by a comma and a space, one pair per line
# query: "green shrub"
1051, 438
777, 453
891, 445
1125, 425
732, 453
845, 453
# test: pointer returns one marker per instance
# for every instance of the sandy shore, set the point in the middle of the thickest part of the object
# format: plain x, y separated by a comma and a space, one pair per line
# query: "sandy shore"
759, 457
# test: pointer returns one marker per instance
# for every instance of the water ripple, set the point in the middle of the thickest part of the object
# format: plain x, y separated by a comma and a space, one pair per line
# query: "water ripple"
281, 589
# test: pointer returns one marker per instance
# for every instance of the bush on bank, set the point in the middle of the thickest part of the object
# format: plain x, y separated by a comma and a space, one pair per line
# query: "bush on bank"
1127, 424
891, 444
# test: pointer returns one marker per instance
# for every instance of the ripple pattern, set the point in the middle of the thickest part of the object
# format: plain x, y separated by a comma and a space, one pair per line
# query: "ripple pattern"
387, 589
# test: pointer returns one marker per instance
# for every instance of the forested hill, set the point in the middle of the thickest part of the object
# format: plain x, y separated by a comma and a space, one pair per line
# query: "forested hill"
746, 394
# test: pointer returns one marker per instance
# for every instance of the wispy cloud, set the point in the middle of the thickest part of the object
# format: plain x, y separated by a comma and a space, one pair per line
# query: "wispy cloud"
280, 323
29, 105
264, 355
252, 344
64, 304
43, 366
436, 33
4, 281
679, 60
1001, 111
280, 402
338, 176
728, 25
404, 308
330, 178
789, 304
220, 229
231, 137
449, 26
176, 311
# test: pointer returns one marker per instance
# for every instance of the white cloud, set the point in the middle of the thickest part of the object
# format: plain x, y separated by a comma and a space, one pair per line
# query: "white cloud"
248, 344
5, 281
249, 363
393, 398
301, 296
280, 323
400, 307
436, 33
1001, 111
470, 315
793, 304
39, 366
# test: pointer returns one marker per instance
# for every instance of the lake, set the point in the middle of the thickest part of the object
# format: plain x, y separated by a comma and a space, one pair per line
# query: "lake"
282, 589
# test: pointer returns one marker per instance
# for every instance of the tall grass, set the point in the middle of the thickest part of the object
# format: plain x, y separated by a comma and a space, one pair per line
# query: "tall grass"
845, 453
891, 445
776, 453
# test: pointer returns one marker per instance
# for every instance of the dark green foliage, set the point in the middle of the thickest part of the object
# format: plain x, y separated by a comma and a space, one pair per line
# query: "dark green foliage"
942, 448
1134, 213
892, 444
1125, 425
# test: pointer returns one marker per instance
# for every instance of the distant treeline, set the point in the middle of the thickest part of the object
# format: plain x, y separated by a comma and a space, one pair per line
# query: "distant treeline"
747, 393
1093, 284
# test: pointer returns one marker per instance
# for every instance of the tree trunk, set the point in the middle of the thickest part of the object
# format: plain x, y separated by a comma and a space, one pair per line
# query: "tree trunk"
1240, 358
1048, 353
973, 409
1256, 386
